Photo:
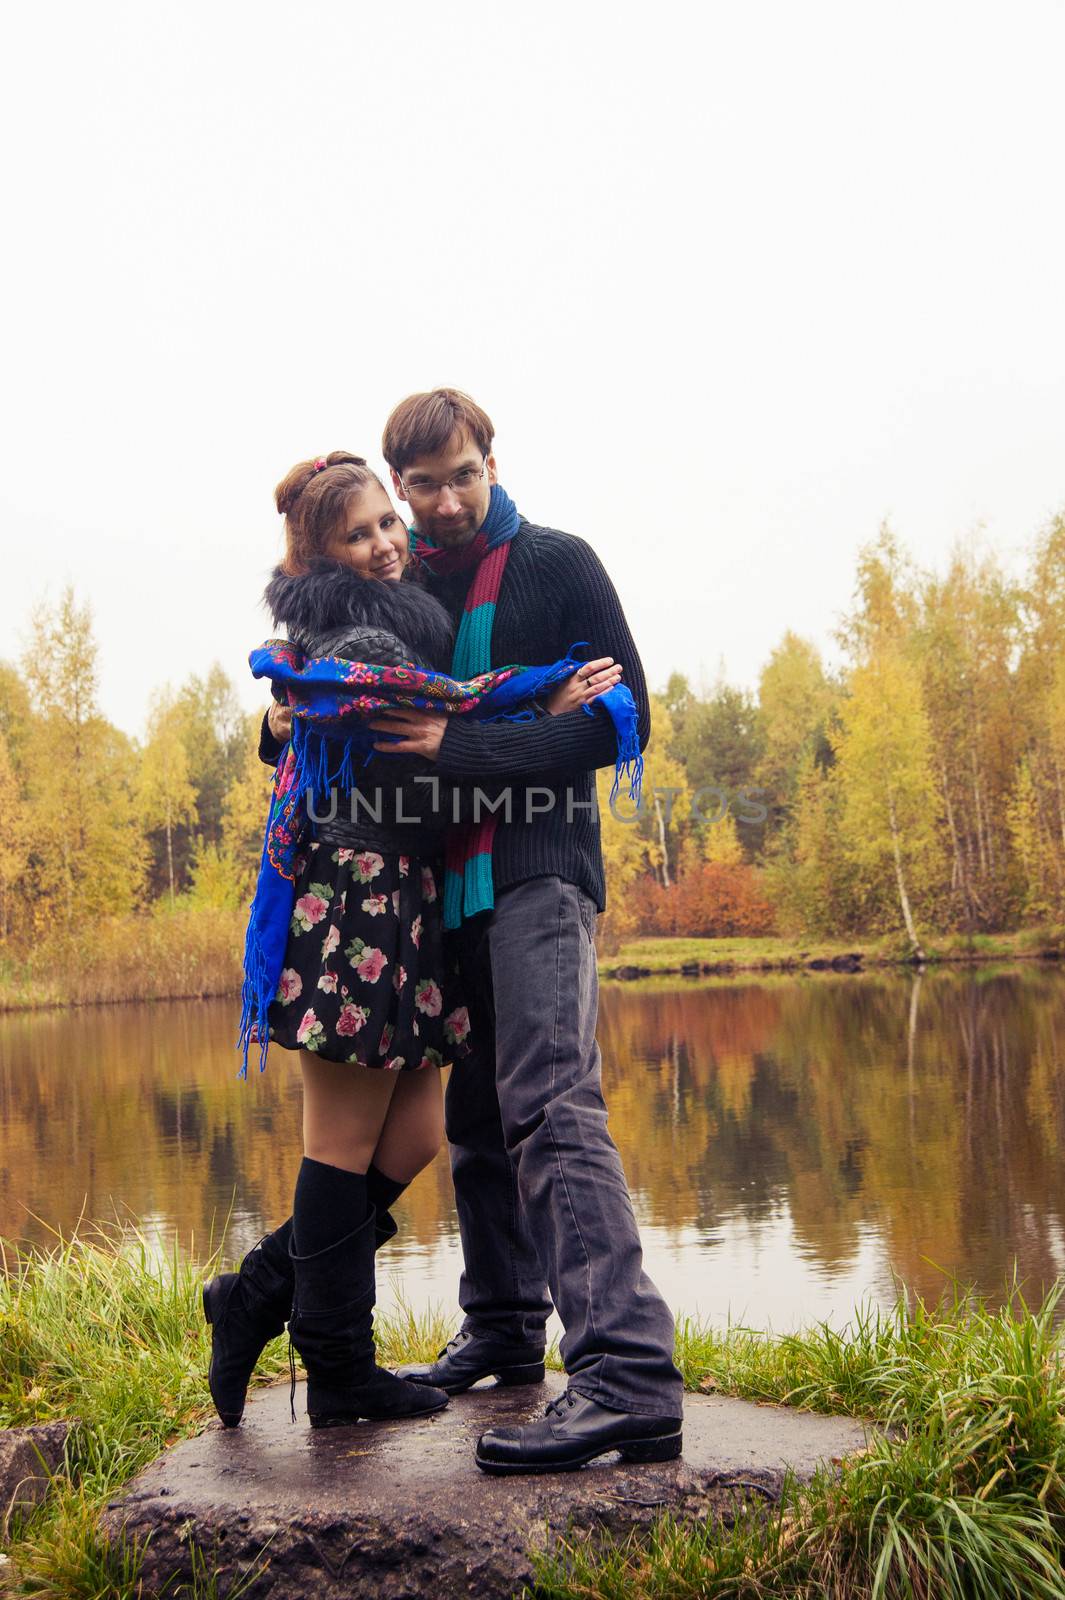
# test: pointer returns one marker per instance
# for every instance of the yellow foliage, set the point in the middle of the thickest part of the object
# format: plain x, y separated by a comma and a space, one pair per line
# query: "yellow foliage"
245, 809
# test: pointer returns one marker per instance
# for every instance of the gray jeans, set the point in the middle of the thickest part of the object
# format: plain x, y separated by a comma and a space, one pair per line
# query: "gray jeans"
540, 1191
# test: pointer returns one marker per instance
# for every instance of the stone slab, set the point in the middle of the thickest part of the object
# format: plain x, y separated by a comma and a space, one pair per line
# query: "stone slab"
29, 1457
399, 1509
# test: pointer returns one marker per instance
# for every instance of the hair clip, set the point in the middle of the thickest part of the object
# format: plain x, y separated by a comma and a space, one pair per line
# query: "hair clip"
321, 464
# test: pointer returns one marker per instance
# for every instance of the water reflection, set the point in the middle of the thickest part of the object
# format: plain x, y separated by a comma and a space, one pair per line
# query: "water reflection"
791, 1142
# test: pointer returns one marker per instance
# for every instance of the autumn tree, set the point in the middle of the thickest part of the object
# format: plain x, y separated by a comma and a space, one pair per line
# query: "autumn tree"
15, 716
817, 887
1037, 859
165, 794
964, 646
245, 808
890, 804
14, 837
87, 852
794, 703
717, 740
1040, 678
212, 723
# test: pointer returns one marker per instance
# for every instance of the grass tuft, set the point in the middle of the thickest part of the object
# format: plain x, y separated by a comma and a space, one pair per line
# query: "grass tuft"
961, 1492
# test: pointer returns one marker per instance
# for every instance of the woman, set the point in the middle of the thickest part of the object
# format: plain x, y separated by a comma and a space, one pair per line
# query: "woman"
365, 993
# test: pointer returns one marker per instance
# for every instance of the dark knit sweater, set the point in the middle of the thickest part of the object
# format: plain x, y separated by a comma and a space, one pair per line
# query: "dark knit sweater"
555, 593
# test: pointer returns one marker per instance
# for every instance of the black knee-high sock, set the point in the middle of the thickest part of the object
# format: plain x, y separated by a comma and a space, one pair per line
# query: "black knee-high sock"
329, 1203
381, 1190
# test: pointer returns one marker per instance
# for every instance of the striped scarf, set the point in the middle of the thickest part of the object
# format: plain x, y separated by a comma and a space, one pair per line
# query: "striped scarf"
468, 886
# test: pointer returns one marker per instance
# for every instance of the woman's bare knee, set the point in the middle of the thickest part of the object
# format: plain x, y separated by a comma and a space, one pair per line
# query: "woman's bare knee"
413, 1130
344, 1110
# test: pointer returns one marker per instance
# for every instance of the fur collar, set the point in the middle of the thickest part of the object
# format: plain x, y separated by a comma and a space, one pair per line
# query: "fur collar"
331, 596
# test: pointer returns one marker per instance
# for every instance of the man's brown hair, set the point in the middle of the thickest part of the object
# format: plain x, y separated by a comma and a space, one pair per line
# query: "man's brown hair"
423, 424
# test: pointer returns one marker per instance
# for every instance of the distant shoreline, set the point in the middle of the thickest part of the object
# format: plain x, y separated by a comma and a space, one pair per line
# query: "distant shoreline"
195, 956
701, 958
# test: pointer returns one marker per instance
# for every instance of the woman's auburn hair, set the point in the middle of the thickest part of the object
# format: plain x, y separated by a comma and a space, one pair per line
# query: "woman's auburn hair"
423, 424
314, 501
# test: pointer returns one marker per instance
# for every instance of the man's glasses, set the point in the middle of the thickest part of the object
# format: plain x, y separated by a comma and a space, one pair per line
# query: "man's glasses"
458, 483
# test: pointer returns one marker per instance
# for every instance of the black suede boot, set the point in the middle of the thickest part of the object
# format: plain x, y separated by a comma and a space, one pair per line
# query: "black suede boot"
247, 1309
332, 1329
381, 1193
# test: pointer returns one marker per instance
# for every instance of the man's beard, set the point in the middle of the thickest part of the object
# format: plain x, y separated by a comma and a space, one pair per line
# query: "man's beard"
452, 533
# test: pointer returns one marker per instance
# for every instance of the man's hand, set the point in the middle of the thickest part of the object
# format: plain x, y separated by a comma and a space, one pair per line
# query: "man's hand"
279, 721
422, 732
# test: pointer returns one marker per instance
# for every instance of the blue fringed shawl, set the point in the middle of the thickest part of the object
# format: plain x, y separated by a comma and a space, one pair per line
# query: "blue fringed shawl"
332, 700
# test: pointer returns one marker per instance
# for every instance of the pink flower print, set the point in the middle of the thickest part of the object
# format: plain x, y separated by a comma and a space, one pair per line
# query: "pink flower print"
399, 978
428, 884
352, 1018
330, 942
372, 965
290, 986
395, 902
328, 982
343, 855
404, 866
416, 931
375, 904
368, 865
431, 1058
457, 1025
388, 1033
311, 907
395, 1064
310, 1032
427, 997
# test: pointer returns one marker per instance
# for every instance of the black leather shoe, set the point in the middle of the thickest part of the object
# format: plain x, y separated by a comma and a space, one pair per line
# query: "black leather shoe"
573, 1431
469, 1357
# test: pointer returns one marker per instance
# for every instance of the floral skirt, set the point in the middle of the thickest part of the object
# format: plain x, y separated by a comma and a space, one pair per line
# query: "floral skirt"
365, 978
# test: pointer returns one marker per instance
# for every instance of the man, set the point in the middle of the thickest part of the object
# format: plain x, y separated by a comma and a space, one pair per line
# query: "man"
540, 1192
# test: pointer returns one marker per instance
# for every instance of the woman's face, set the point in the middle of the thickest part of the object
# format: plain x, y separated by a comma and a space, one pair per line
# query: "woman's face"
372, 540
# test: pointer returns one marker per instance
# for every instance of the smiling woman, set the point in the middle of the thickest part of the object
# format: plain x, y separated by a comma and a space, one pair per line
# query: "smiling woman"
363, 997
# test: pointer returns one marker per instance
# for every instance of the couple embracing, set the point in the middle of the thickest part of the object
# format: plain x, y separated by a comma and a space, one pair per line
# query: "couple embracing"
428, 893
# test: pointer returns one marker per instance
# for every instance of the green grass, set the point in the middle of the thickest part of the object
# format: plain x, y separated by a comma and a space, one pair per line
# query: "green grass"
101, 1330
659, 955
961, 1493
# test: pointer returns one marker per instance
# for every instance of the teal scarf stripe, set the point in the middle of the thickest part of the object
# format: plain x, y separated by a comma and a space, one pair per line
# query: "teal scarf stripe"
452, 899
478, 888
469, 890
473, 643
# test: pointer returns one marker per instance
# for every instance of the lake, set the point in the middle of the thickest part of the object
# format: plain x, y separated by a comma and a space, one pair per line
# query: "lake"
794, 1144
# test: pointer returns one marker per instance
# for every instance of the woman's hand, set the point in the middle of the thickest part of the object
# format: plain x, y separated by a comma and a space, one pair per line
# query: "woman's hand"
587, 683
422, 732
279, 721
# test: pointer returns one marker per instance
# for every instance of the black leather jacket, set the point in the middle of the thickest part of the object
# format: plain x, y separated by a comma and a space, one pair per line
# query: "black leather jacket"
331, 611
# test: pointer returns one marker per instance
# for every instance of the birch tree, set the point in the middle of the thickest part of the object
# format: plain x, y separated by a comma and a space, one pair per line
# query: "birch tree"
890, 803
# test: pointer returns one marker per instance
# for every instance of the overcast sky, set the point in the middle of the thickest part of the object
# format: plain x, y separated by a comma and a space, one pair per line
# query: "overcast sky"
735, 282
